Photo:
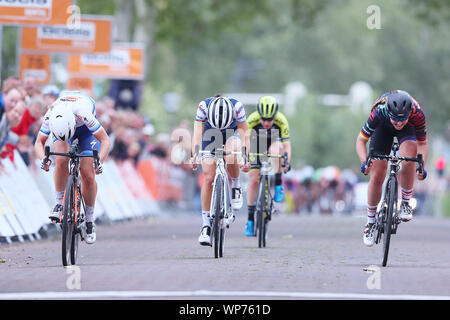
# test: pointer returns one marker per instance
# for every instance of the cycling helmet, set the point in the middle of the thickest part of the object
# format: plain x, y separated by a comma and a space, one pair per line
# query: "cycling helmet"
62, 121
220, 113
267, 107
399, 104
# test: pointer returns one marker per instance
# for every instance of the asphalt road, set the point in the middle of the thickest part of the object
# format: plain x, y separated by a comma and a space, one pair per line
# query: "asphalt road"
307, 257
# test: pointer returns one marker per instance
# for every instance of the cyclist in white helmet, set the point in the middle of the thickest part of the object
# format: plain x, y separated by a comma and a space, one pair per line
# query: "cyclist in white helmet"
219, 121
72, 116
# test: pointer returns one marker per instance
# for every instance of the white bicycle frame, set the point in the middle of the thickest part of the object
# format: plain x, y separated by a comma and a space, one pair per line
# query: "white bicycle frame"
221, 171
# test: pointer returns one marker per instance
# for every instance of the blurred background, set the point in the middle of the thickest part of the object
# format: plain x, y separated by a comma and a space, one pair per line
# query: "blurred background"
326, 61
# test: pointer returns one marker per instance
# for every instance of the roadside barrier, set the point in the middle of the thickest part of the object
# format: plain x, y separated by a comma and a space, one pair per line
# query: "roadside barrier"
27, 196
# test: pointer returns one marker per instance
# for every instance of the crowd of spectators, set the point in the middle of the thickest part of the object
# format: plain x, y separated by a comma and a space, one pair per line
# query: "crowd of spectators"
23, 105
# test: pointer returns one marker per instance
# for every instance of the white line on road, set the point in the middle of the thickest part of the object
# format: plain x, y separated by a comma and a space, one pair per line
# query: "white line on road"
206, 293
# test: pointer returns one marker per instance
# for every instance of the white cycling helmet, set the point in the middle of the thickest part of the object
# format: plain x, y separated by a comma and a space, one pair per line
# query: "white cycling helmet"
220, 113
62, 121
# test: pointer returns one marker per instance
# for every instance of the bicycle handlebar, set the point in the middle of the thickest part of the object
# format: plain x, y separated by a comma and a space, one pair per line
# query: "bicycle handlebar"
272, 155
72, 155
220, 153
373, 156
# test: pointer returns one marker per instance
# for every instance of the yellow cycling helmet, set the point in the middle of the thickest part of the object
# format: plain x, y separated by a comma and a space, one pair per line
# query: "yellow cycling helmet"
267, 107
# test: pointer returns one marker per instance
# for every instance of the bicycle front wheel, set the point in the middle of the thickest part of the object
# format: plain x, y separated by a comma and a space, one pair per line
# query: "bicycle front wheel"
218, 239
387, 222
260, 208
67, 222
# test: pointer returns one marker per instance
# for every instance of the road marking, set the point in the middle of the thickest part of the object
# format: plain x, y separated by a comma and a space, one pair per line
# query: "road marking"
207, 293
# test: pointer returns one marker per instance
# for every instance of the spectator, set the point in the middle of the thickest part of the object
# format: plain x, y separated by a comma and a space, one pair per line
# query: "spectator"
50, 93
9, 119
10, 98
29, 85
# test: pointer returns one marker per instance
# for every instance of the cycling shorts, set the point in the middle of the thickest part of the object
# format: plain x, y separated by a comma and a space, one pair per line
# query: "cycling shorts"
383, 137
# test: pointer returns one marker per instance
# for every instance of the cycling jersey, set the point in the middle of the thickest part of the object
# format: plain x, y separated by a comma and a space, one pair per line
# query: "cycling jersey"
238, 111
214, 138
87, 125
379, 117
280, 128
83, 108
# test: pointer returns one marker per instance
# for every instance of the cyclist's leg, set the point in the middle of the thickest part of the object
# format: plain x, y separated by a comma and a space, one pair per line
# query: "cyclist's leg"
277, 148
233, 144
380, 142
60, 177
406, 176
252, 193
86, 144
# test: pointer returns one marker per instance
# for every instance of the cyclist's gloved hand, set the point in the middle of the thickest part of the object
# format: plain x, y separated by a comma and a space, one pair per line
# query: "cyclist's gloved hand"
287, 167
423, 175
364, 168
45, 164
98, 168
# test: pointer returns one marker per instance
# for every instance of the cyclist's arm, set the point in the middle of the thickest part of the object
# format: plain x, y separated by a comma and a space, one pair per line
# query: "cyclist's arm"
244, 135
287, 148
39, 145
197, 135
105, 143
422, 147
361, 150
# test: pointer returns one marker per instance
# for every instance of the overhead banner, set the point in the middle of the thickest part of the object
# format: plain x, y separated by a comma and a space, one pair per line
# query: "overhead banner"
36, 12
82, 84
93, 35
124, 61
35, 65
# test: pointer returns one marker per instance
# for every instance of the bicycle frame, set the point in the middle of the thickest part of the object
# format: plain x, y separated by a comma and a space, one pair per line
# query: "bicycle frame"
387, 219
72, 225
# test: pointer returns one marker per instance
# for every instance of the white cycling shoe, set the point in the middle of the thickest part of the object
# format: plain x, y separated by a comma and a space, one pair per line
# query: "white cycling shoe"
91, 236
236, 198
205, 236
405, 212
369, 234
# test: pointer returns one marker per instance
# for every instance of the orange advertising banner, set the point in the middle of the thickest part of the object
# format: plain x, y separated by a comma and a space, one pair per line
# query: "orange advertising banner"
93, 35
35, 65
82, 84
124, 61
36, 12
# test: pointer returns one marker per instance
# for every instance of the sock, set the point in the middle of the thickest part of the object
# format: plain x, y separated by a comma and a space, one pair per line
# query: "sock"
371, 212
59, 197
89, 214
206, 219
406, 195
251, 213
278, 179
235, 183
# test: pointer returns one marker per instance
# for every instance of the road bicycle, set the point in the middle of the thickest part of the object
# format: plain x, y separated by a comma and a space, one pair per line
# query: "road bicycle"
387, 219
264, 200
221, 212
72, 219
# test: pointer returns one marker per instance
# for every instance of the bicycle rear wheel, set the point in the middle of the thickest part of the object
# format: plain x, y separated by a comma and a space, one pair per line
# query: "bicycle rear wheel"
260, 207
76, 232
218, 242
387, 223
67, 222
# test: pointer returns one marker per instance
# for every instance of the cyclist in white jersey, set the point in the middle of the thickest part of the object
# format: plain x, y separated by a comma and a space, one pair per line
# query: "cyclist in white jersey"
72, 116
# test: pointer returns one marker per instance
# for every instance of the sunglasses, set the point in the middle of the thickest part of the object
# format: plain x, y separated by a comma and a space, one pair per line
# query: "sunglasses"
399, 119
266, 119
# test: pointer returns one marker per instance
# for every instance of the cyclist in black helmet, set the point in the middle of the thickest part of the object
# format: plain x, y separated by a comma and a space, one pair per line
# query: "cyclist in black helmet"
395, 113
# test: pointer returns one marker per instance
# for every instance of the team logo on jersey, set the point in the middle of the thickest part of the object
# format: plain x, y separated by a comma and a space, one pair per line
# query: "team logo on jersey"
69, 99
93, 143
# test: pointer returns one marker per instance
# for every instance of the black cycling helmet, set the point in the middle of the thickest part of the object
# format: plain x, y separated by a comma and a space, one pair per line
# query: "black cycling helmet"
399, 104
